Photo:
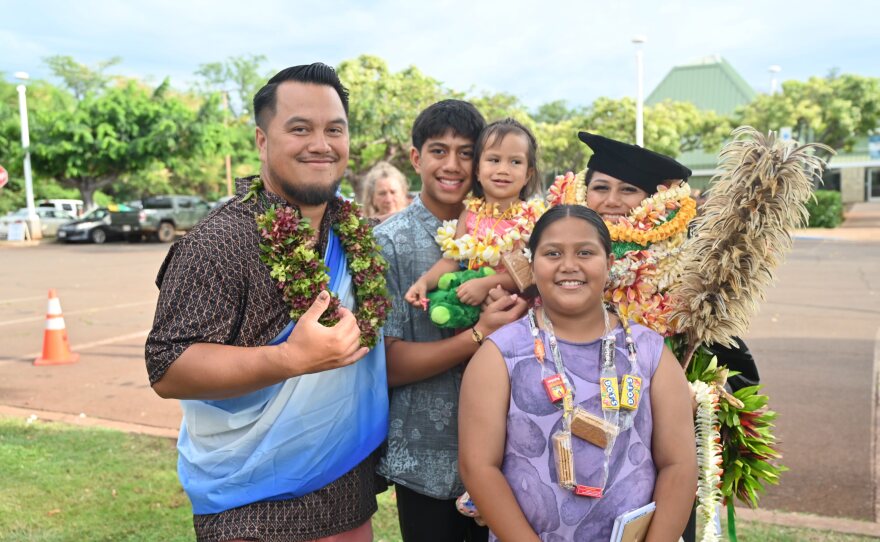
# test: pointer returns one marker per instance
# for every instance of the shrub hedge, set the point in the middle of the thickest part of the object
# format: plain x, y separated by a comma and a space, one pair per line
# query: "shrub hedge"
826, 210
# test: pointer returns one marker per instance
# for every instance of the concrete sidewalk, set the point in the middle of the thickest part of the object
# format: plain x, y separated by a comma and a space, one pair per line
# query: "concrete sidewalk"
861, 223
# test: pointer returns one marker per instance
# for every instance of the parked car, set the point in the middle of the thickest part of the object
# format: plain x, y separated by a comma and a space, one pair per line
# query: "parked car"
103, 224
73, 207
50, 220
162, 216
221, 201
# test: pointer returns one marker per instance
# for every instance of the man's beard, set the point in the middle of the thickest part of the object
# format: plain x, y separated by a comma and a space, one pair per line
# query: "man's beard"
309, 196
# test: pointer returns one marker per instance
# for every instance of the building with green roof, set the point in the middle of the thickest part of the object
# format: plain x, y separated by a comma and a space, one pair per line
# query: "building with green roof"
711, 84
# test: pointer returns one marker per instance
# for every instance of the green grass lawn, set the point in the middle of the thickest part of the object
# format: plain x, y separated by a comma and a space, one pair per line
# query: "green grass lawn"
63, 483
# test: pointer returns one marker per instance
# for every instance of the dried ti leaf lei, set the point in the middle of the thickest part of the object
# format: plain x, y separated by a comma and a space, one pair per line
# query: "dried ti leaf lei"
301, 273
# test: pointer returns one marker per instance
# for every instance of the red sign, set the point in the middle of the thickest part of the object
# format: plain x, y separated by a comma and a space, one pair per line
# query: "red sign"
4, 177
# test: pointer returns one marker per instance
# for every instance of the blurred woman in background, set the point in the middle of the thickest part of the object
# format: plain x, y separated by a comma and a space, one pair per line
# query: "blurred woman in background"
385, 191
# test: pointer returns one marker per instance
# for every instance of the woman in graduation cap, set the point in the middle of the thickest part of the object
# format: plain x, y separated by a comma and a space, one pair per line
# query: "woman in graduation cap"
643, 197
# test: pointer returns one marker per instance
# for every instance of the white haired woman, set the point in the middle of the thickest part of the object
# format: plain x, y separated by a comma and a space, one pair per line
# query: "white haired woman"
385, 191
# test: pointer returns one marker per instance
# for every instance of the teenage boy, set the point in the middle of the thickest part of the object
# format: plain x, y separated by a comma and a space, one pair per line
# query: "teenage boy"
425, 363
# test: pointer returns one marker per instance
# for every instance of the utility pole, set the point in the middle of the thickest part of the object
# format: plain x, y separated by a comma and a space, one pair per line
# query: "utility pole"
640, 93
33, 220
228, 157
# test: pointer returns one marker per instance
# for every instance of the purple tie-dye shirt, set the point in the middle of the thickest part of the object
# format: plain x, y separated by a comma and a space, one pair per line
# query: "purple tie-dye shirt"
555, 514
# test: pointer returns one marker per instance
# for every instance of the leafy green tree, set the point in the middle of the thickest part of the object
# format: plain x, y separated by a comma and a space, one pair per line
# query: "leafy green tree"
560, 150
555, 112
105, 138
42, 97
835, 110
79, 78
237, 79
670, 128
501, 105
677, 127
383, 106
239, 76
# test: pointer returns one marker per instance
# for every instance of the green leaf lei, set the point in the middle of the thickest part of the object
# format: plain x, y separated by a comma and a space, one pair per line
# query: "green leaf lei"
749, 456
301, 273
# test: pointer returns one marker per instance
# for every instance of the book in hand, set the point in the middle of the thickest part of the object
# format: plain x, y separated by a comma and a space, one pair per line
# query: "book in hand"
633, 526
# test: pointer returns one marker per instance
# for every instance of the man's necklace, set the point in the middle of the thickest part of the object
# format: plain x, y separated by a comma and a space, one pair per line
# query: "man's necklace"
287, 248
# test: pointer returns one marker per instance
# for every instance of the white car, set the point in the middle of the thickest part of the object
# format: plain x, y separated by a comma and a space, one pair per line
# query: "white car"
50, 220
71, 206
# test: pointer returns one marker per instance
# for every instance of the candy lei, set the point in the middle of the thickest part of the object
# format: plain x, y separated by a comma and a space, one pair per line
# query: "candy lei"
618, 412
709, 458
487, 249
301, 273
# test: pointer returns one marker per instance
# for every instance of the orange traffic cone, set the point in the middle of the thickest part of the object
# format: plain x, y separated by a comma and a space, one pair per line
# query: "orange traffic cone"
56, 349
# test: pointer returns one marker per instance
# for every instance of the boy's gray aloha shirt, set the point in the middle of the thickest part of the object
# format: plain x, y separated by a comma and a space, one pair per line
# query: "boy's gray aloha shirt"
422, 449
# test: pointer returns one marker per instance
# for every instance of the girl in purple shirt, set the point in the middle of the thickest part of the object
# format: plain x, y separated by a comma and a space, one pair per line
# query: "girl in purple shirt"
570, 417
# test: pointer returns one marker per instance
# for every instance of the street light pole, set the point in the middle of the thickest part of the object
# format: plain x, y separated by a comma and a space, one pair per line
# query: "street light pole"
33, 219
640, 98
774, 69
226, 135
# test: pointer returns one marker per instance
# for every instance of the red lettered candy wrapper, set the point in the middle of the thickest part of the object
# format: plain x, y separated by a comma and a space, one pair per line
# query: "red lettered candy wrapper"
588, 491
555, 387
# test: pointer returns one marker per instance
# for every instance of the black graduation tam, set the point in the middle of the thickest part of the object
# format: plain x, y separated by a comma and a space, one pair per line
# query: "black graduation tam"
630, 163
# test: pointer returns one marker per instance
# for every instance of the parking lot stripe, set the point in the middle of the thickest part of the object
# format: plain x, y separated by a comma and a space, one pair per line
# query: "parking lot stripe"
21, 299
73, 313
102, 342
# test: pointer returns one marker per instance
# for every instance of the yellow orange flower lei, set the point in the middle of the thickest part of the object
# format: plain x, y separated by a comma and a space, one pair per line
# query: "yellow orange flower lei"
487, 249
648, 222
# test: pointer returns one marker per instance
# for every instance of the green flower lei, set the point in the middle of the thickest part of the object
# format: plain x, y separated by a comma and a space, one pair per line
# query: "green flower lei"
301, 273
750, 458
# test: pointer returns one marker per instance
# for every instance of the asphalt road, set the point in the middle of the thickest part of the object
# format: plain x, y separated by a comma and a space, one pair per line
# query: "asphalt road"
815, 343
814, 340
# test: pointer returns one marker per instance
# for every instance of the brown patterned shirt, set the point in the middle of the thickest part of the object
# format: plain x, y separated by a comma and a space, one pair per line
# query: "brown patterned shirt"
214, 289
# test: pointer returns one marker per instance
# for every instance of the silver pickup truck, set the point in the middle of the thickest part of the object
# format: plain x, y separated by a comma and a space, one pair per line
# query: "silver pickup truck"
162, 216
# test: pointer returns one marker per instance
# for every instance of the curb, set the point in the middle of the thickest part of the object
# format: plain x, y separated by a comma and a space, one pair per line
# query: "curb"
838, 234
801, 521
20, 244
82, 420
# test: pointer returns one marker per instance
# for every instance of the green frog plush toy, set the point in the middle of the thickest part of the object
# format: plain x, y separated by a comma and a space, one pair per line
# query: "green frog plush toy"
444, 307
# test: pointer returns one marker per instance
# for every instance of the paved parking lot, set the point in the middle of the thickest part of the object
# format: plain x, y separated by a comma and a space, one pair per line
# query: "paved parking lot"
108, 296
814, 341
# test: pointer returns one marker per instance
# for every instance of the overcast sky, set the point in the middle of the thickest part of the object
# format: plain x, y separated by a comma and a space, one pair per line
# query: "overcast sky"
576, 50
